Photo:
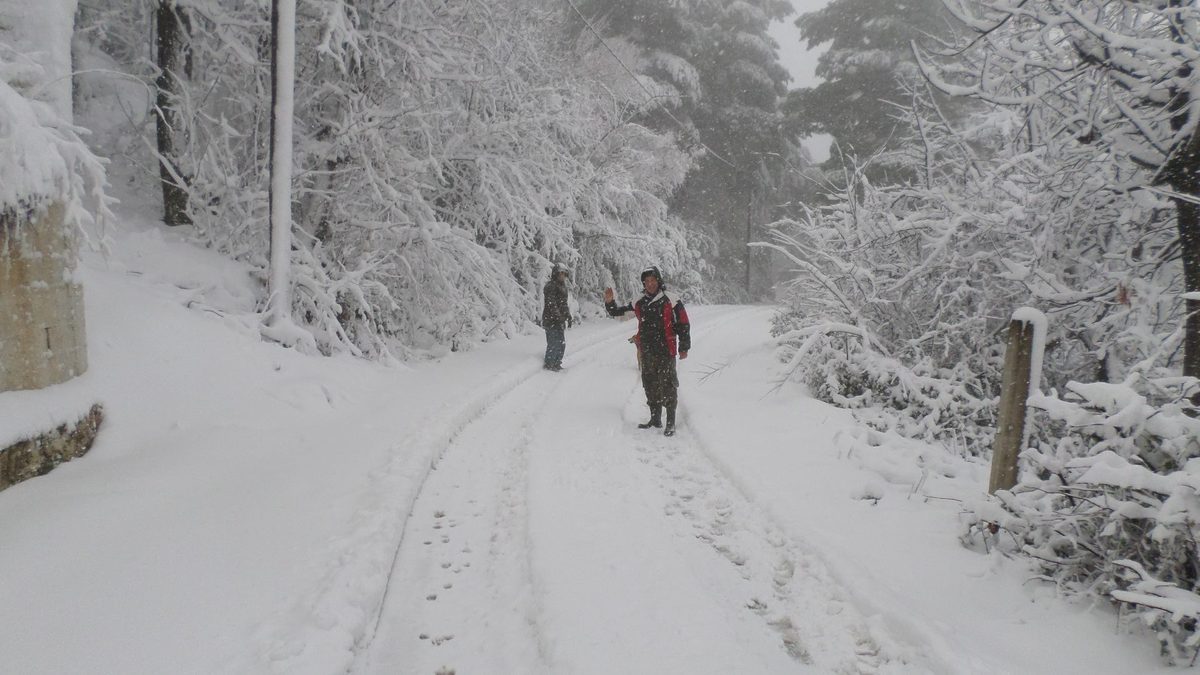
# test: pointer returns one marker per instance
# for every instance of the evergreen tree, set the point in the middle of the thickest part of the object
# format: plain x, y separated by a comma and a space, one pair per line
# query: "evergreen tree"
1120, 81
720, 85
868, 70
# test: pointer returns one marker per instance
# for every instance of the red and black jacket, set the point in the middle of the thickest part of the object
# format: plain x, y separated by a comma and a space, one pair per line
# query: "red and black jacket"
663, 327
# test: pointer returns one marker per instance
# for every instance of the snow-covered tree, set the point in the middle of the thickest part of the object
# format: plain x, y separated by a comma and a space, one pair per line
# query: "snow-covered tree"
445, 155
930, 269
866, 73
1118, 78
711, 74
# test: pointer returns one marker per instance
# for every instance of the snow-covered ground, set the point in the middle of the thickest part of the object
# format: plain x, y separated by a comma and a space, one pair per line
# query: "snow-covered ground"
248, 509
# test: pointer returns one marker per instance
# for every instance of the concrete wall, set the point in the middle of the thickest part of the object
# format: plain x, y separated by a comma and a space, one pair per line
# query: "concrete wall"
42, 337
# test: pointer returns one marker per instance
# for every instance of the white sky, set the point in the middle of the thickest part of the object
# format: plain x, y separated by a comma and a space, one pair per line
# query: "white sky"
801, 63
792, 53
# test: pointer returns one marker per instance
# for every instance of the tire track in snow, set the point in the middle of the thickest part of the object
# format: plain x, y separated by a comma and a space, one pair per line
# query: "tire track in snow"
619, 592
326, 629
448, 624
462, 569
790, 588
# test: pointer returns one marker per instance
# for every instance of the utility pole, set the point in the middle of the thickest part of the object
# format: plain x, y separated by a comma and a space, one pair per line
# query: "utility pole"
283, 64
749, 229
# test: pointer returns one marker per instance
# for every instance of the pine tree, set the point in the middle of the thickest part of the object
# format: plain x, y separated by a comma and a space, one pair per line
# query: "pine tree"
868, 70
722, 83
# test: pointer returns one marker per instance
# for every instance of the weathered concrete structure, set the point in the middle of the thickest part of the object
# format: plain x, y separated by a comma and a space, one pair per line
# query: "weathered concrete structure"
42, 338
44, 167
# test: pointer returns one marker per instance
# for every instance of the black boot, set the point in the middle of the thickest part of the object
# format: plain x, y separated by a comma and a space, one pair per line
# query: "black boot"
670, 428
655, 418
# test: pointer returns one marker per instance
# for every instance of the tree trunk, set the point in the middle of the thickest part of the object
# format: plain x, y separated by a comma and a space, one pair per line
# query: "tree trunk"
171, 41
1182, 171
1188, 220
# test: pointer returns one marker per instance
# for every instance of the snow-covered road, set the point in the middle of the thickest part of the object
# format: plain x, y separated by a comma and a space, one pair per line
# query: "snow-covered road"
248, 509
555, 536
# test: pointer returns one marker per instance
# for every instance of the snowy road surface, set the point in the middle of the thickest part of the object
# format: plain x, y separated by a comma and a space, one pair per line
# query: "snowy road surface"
554, 536
248, 509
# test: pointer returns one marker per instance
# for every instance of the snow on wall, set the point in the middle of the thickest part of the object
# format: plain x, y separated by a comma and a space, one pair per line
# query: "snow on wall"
42, 157
41, 32
30, 413
39, 147
30, 166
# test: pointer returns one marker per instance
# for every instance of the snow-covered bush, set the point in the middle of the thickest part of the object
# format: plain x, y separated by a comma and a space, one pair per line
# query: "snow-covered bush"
1111, 507
840, 364
932, 269
1069, 190
895, 299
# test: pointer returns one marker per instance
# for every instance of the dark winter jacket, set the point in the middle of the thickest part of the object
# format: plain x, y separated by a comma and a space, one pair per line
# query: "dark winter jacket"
555, 313
663, 327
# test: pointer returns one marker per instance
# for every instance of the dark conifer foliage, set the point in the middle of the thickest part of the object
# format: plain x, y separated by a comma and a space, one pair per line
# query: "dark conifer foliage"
868, 70
724, 84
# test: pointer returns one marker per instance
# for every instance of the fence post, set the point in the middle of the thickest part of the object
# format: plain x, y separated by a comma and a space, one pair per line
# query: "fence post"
1020, 360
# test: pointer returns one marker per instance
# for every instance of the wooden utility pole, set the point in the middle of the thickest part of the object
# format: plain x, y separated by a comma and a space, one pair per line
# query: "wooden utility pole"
1010, 425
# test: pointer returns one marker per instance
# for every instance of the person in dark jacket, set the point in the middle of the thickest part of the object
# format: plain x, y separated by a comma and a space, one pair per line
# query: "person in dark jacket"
663, 332
555, 317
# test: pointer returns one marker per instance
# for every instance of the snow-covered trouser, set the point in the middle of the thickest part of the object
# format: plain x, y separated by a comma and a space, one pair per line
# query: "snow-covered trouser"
659, 380
556, 345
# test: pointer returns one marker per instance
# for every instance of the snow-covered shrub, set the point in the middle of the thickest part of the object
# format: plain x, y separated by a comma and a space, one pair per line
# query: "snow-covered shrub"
1069, 189
898, 264
1111, 507
932, 270
937, 405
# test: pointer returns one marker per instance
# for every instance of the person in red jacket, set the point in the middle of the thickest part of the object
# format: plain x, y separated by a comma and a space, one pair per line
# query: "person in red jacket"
663, 332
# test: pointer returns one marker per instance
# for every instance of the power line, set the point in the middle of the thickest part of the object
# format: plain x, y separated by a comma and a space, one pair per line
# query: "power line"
649, 93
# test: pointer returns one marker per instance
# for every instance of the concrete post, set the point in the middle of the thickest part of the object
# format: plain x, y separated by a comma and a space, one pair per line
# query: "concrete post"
42, 336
